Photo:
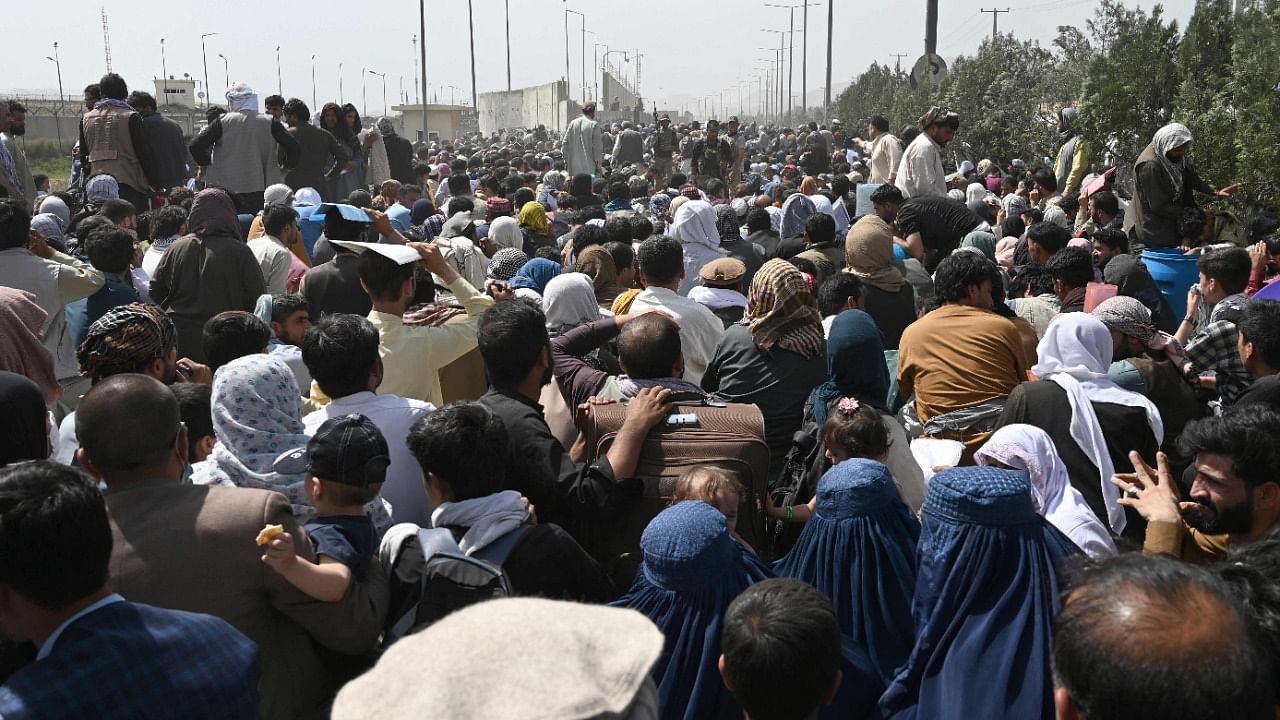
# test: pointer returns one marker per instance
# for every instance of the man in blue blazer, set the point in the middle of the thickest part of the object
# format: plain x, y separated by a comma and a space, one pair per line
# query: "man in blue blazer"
100, 655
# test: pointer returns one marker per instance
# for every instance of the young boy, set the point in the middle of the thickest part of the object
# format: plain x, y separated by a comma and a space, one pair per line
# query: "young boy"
345, 463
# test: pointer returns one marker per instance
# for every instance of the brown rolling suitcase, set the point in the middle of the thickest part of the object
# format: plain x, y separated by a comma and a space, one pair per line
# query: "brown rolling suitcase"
728, 436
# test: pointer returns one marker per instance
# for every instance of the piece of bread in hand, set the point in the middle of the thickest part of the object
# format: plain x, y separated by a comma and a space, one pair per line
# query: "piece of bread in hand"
269, 533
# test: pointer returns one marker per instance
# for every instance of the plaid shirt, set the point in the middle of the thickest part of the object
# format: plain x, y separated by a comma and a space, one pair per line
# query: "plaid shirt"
127, 660
1214, 349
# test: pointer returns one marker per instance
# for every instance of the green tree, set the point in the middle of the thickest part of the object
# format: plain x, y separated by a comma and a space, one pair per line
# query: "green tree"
1005, 107
871, 93
1131, 84
1255, 70
1204, 103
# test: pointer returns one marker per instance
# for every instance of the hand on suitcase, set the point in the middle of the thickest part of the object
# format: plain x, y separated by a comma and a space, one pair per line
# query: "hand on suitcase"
647, 408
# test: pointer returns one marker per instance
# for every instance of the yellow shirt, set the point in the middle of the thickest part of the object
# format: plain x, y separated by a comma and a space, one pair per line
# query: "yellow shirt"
413, 356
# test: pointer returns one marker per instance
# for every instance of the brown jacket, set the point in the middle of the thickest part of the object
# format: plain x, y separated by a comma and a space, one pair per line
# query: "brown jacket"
191, 547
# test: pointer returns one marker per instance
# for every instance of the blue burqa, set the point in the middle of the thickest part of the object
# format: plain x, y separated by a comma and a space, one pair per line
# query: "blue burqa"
859, 550
692, 570
987, 591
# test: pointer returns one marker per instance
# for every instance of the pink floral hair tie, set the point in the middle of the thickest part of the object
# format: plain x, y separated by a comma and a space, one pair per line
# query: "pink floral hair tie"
848, 406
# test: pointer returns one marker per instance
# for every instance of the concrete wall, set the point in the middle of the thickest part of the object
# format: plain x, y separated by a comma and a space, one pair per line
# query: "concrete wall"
610, 88
529, 107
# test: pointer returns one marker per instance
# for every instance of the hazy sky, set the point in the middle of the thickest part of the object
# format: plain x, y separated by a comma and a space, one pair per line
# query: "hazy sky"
684, 58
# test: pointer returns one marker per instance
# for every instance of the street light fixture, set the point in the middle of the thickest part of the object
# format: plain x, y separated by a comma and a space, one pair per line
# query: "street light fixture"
62, 99
584, 48
205, 58
384, 88
226, 69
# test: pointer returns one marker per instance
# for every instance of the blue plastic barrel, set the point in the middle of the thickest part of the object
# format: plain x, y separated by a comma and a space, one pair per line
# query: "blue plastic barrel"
1174, 272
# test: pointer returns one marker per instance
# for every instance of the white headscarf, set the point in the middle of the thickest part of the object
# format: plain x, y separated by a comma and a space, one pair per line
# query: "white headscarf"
1075, 353
1026, 447
306, 196
975, 191
1169, 137
695, 224
241, 98
569, 300
505, 233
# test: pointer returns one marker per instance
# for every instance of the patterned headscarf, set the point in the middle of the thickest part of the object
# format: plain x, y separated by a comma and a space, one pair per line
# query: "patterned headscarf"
534, 217
691, 192
506, 263
257, 415
213, 214
22, 350
658, 206
497, 207
49, 226
781, 311
124, 339
101, 188
1128, 316
433, 226
727, 224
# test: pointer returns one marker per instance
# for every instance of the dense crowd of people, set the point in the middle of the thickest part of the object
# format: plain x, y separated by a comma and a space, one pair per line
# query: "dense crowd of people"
304, 419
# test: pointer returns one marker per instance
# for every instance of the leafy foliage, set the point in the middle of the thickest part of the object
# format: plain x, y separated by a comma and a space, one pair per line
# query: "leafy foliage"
1130, 72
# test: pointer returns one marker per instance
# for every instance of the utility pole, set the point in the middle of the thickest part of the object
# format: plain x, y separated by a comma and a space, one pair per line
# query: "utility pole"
995, 15
568, 85
471, 31
279, 82
931, 27
826, 100
164, 72
508, 8
422, 50
205, 58
417, 89
897, 65
106, 38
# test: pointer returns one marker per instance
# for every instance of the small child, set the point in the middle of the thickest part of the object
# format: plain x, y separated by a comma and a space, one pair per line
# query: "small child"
714, 487
345, 463
852, 430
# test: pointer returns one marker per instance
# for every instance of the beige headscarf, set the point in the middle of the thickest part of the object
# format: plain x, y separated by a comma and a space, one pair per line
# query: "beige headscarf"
869, 253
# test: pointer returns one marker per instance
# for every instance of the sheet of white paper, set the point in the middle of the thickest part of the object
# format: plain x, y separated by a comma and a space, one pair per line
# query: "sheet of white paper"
402, 254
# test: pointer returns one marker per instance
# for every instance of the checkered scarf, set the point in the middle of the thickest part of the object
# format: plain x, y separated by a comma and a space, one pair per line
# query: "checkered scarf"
781, 311
124, 339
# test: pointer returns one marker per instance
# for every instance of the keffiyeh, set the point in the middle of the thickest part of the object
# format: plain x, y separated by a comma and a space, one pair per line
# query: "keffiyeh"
781, 311
124, 339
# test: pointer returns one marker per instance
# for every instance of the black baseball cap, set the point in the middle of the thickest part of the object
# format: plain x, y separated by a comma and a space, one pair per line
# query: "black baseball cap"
348, 449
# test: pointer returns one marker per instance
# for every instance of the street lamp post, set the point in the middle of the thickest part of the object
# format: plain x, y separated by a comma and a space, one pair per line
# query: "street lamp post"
422, 50
626, 57
416, 87
507, 3
62, 99
384, 88
583, 18
471, 32
364, 98
341, 98
568, 83
205, 58
164, 72
226, 69
279, 82
313, 84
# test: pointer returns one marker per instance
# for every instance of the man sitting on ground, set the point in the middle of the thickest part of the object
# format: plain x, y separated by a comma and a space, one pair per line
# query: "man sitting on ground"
1235, 493
961, 360
721, 290
1071, 270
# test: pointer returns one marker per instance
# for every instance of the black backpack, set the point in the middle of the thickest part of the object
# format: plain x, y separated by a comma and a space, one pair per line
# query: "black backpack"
430, 577
802, 468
